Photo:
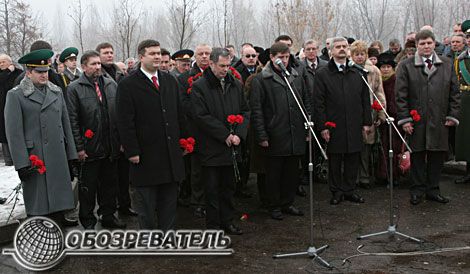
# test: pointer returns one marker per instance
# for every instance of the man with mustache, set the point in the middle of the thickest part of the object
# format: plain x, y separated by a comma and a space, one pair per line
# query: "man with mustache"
341, 97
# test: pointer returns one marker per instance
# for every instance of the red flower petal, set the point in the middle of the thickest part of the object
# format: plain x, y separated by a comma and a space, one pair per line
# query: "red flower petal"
89, 134
33, 158
191, 141
42, 170
376, 106
413, 112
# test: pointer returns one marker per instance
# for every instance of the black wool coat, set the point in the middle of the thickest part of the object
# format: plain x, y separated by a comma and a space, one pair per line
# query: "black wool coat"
149, 124
7, 79
342, 98
211, 107
276, 117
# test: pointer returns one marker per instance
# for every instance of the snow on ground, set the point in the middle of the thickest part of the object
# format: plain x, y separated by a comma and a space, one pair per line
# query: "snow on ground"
8, 181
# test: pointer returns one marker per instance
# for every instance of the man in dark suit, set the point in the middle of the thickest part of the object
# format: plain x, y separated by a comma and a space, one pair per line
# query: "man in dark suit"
341, 97
149, 122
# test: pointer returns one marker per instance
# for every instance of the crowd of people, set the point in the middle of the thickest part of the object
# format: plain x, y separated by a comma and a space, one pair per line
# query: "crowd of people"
147, 134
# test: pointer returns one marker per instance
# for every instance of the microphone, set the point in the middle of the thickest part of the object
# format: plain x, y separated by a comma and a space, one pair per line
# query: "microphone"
354, 65
281, 66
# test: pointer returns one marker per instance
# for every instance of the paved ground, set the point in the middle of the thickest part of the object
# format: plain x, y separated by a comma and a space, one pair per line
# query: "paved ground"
440, 226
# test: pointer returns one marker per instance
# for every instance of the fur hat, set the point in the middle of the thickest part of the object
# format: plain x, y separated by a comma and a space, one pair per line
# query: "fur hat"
373, 52
386, 59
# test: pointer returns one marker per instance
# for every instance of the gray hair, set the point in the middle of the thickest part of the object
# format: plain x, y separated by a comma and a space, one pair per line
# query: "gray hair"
394, 41
218, 52
309, 42
4, 56
336, 40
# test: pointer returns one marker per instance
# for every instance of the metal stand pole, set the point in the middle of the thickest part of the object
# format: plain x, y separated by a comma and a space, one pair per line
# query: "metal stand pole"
312, 251
392, 228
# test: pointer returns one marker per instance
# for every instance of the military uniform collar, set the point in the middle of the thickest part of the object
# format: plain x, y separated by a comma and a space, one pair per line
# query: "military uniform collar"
27, 87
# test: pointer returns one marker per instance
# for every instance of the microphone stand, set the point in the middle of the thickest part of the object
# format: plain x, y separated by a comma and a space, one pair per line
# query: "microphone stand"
392, 227
312, 251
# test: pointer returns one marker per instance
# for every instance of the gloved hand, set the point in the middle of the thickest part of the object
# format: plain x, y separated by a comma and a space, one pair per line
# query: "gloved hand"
74, 166
25, 173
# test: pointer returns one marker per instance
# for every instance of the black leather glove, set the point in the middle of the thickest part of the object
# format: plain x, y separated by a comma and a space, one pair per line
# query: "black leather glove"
74, 166
26, 172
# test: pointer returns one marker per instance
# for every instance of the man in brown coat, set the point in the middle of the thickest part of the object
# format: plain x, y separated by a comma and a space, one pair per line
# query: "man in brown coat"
428, 102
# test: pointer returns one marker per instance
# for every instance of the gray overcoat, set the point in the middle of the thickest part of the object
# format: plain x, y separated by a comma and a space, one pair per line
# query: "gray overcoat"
40, 125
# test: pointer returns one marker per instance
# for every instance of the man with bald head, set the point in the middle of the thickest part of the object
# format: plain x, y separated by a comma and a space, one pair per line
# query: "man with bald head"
249, 61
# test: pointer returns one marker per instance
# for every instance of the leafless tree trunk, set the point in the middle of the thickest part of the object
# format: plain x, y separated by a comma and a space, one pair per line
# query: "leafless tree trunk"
77, 14
185, 20
6, 26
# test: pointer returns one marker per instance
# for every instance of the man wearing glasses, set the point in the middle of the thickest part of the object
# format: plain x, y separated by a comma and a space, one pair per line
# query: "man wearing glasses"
249, 62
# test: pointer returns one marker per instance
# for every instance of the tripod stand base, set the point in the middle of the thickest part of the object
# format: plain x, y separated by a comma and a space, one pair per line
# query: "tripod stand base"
392, 230
312, 252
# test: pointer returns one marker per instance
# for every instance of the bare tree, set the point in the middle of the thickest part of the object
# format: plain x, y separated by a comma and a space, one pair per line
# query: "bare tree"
27, 28
185, 17
5, 25
125, 24
77, 14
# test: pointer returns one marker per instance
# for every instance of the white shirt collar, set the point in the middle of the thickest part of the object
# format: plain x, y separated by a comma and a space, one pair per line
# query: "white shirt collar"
426, 58
150, 75
338, 65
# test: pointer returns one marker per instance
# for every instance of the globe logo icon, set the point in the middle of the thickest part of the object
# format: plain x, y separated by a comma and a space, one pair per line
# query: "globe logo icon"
39, 243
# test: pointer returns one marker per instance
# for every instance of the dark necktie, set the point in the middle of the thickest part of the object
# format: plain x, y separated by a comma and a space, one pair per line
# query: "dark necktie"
155, 83
429, 62
343, 68
313, 66
98, 92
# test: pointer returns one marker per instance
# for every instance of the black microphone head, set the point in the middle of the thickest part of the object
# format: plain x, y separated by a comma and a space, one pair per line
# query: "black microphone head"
351, 64
278, 62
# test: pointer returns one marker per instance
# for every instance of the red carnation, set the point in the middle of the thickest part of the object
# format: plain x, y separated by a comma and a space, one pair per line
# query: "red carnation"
239, 119
232, 119
415, 115
187, 144
42, 169
190, 81
89, 134
37, 163
376, 106
191, 141
33, 158
183, 142
330, 124
235, 73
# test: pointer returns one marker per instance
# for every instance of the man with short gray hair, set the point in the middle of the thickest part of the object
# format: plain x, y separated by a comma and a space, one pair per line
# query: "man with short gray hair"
215, 96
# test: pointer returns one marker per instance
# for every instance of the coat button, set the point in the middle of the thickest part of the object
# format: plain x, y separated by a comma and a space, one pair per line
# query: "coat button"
169, 138
164, 110
167, 124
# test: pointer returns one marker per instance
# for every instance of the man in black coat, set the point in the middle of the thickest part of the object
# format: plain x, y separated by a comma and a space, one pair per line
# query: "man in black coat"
92, 107
215, 96
149, 122
8, 74
249, 61
341, 97
202, 55
279, 129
